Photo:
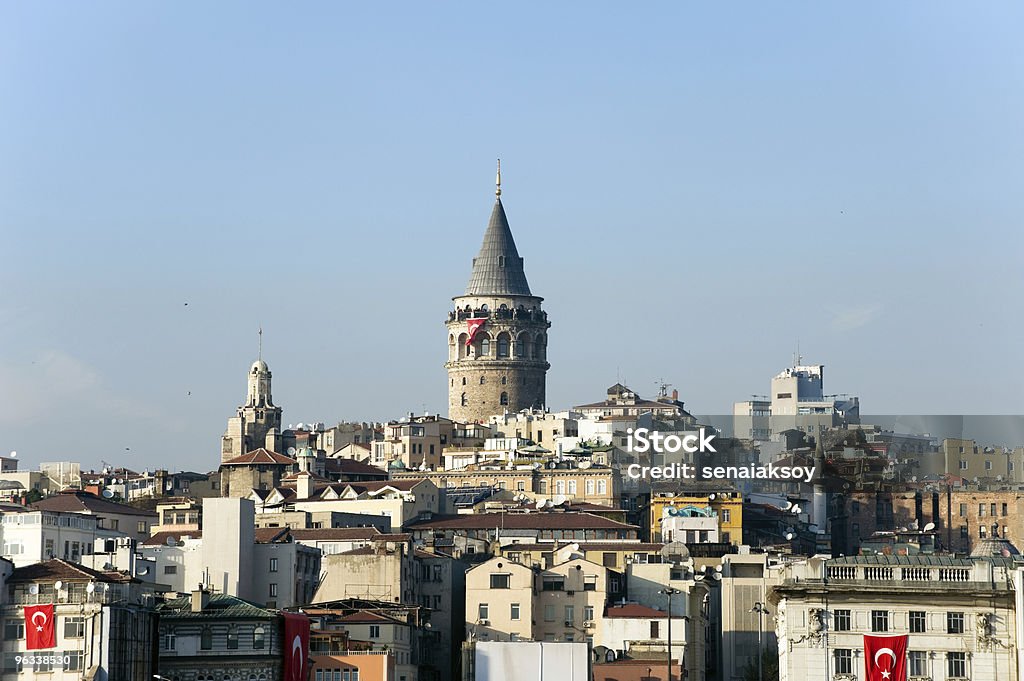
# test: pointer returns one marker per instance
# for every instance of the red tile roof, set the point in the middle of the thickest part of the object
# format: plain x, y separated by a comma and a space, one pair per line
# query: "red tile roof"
260, 456
78, 501
634, 611
160, 538
65, 571
521, 521
273, 535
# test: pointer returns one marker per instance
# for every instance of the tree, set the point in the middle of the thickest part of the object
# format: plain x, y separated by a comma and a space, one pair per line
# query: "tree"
769, 664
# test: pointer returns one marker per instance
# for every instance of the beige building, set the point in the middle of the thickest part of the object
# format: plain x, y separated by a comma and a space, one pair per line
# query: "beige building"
507, 601
401, 500
497, 332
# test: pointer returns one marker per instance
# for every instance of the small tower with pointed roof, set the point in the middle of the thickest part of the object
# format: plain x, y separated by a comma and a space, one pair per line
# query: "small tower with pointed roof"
497, 332
257, 422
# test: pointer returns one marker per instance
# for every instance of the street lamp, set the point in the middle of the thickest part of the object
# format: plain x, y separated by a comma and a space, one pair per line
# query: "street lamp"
669, 592
761, 610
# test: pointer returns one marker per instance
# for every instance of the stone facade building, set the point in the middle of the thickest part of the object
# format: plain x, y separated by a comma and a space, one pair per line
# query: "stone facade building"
258, 422
497, 332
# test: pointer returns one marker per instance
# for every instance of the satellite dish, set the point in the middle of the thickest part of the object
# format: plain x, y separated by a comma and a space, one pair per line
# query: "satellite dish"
143, 571
712, 496
585, 465
291, 451
108, 494
929, 527
541, 503
13, 454
789, 536
788, 505
58, 585
576, 547
558, 500
797, 510
301, 426
171, 541
674, 552
90, 588
33, 589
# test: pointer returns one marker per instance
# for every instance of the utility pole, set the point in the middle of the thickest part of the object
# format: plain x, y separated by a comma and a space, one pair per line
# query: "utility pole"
761, 611
668, 665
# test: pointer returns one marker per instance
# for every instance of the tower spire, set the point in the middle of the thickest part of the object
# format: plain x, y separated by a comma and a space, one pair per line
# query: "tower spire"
497, 181
259, 355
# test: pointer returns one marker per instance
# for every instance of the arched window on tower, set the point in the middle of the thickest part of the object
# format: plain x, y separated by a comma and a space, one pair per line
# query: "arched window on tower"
503, 343
463, 399
482, 380
463, 380
485, 346
504, 380
523, 345
504, 399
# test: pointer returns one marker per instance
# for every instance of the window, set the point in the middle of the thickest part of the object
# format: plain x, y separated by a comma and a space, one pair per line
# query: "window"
988, 465
259, 638
206, 639
232, 639
570, 614
500, 581
917, 619
504, 398
879, 620
74, 660
572, 487
514, 611
841, 620
14, 629
170, 569
590, 583
726, 515
655, 626
273, 590
918, 663
483, 611
956, 665
954, 623
963, 532
485, 349
855, 507
553, 584
981, 510
844, 661
1004, 509
374, 631
170, 640
549, 613
992, 510
963, 510
503, 346
273, 564
963, 465
609, 559
462, 400
74, 627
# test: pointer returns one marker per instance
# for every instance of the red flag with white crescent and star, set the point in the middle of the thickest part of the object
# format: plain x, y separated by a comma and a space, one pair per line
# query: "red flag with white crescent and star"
296, 647
885, 658
474, 326
39, 630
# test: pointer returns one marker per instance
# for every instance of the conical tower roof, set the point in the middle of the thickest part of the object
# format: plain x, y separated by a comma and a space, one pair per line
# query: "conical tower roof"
497, 268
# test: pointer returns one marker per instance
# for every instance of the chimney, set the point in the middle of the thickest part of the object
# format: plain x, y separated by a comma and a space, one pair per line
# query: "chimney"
675, 395
304, 486
200, 599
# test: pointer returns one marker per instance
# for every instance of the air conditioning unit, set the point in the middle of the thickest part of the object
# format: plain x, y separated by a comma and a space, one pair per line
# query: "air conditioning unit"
568, 623
588, 624
484, 623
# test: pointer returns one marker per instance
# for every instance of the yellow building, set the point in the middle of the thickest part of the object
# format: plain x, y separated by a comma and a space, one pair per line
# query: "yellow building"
724, 500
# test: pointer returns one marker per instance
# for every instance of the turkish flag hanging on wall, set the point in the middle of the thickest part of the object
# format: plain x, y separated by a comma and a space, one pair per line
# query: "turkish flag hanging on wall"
296, 647
39, 630
885, 658
473, 326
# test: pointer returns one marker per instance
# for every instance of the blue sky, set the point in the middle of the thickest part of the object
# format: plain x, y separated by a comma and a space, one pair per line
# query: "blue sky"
694, 189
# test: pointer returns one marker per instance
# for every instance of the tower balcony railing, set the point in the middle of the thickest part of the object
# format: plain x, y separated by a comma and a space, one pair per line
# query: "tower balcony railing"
518, 314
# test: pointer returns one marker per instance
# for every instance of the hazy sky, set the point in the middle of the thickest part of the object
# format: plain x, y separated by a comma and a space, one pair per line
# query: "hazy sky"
694, 189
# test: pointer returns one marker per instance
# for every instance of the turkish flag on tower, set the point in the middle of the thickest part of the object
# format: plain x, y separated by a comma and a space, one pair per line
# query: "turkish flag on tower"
885, 658
39, 630
473, 325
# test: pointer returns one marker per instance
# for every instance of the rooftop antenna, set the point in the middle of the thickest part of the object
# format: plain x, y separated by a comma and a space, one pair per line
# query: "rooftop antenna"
497, 181
259, 355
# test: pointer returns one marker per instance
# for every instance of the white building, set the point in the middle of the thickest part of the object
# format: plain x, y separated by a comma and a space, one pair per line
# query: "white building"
959, 615
263, 566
